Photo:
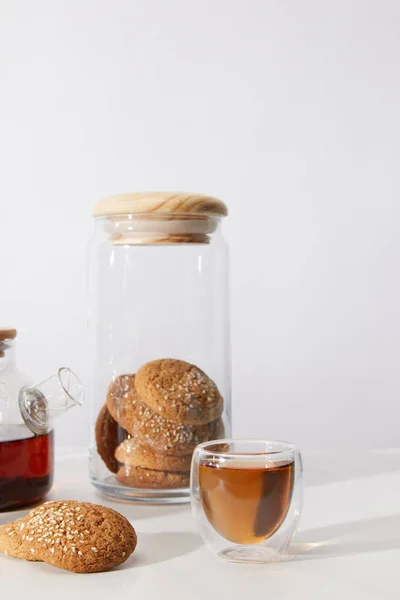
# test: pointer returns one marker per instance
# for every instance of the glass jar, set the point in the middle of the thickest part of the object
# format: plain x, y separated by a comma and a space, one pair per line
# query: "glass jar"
26, 426
158, 282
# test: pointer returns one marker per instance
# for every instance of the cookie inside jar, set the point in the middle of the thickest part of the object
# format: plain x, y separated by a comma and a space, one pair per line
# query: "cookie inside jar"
152, 420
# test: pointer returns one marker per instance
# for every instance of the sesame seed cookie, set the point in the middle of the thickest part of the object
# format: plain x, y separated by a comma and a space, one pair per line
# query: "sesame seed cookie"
139, 477
177, 390
171, 438
108, 436
76, 536
151, 429
131, 454
121, 401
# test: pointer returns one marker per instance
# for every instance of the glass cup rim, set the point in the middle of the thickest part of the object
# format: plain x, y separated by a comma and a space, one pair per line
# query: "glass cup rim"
287, 447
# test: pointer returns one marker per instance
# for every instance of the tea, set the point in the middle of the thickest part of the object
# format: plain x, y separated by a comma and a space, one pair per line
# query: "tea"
26, 468
247, 502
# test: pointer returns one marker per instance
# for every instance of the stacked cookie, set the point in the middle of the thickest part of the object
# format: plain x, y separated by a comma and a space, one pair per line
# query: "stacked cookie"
152, 421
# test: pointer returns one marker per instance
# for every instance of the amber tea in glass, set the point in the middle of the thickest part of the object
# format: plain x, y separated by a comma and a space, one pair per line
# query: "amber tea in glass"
246, 496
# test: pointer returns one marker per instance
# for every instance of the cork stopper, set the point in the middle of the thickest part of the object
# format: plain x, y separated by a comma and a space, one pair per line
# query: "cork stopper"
5, 336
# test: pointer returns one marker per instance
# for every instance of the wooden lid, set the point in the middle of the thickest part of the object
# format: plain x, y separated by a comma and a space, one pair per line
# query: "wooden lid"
168, 203
7, 334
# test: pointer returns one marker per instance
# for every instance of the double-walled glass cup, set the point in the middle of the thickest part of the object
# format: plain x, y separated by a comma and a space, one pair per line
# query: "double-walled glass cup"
159, 319
247, 497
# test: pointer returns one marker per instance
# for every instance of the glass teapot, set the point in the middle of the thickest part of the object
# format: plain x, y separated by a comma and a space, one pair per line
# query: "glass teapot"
27, 412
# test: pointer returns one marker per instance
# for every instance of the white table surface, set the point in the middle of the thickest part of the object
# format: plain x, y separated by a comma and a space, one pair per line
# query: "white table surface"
348, 545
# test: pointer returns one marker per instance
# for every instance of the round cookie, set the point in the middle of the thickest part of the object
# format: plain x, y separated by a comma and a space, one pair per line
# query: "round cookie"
139, 477
177, 390
179, 440
77, 536
121, 401
108, 436
151, 429
131, 454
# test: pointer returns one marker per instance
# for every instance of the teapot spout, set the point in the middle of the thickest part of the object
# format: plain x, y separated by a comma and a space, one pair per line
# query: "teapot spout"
42, 403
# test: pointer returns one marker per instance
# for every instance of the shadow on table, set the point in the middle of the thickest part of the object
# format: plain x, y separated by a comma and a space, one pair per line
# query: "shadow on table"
373, 535
136, 512
159, 547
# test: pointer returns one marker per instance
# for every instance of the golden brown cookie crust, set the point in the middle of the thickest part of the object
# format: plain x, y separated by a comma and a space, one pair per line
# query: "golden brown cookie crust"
76, 536
151, 429
149, 479
122, 399
179, 391
108, 436
132, 454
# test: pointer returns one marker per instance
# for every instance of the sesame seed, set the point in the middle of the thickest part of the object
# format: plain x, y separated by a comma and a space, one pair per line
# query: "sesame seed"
79, 552
94, 549
33, 550
52, 550
123, 554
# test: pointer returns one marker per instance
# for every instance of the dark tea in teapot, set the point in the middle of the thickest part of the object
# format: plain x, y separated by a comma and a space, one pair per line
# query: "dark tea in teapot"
26, 467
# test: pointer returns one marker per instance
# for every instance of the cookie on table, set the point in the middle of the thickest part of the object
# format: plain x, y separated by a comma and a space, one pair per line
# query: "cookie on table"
177, 390
108, 436
130, 453
76, 536
151, 429
140, 477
